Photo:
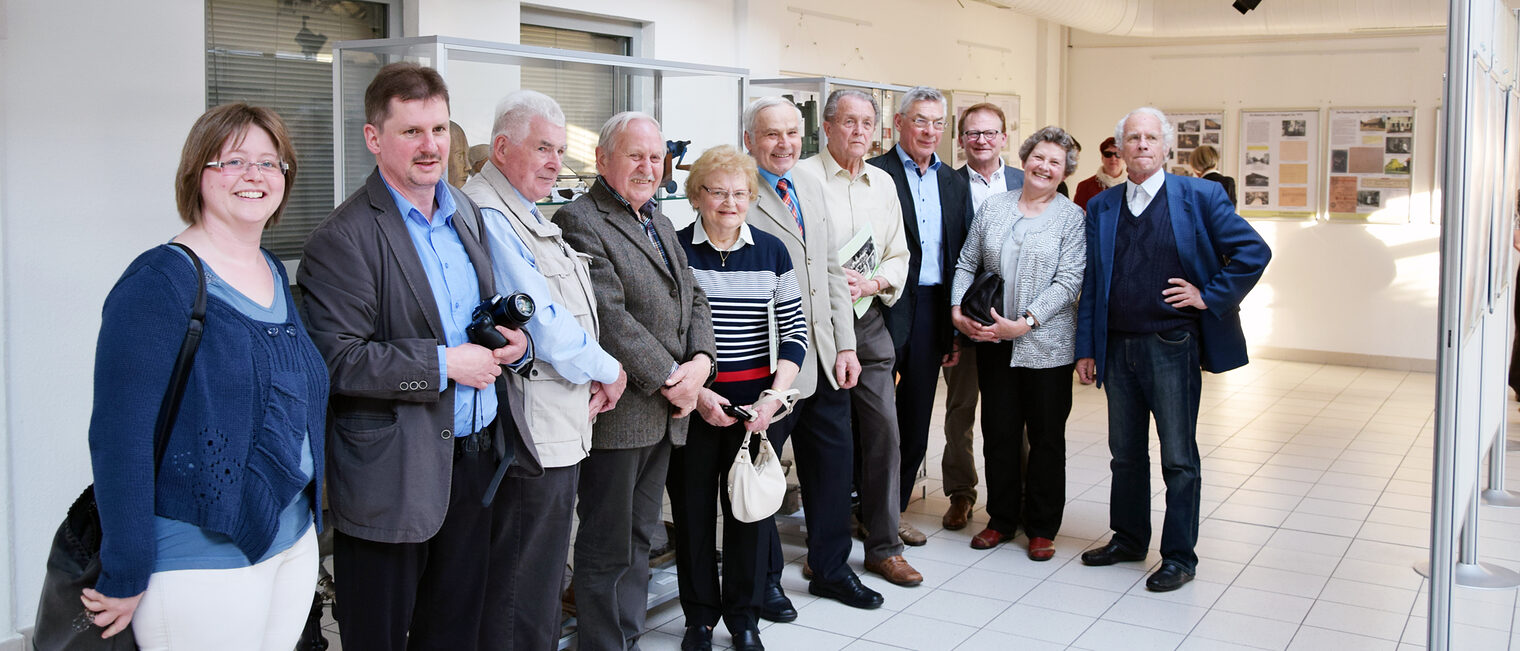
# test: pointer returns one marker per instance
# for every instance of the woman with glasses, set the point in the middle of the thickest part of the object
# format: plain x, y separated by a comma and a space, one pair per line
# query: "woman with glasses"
216, 548
762, 339
1111, 175
1035, 240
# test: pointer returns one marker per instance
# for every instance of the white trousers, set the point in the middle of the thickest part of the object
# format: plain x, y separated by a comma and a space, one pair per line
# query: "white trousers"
263, 606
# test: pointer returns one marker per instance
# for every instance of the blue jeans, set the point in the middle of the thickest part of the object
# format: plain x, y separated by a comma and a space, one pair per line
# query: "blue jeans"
1154, 373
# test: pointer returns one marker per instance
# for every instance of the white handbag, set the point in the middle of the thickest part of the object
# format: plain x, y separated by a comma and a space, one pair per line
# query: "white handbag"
755, 488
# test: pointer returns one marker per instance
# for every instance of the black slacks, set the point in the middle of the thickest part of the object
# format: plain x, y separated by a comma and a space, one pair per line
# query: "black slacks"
918, 365
530, 541
697, 481
1016, 401
824, 453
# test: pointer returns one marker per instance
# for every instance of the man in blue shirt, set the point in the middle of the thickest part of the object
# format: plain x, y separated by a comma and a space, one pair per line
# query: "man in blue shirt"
573, 378
417, 424
936, 206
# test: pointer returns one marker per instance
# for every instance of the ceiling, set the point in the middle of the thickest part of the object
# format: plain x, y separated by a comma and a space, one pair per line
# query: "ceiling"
1215, 18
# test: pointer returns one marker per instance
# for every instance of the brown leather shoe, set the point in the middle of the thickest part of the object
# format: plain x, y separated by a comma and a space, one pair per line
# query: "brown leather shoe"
910, 534
1041, 549
988, 539
807, 571
958, 513
897, 570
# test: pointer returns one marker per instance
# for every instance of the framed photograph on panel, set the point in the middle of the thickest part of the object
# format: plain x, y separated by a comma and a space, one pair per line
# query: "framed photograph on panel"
1278, 161
1371, 164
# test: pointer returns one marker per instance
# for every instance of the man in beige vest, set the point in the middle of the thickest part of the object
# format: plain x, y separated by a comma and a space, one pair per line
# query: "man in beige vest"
572, 381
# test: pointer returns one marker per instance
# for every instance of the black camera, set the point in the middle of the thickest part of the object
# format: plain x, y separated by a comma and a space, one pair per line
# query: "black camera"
512, 312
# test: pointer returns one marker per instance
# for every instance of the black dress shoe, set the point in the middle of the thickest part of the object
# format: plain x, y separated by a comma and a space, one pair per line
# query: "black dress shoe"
848, 591
775, 607
697, 638
1170, 577
748, 640
1110, 554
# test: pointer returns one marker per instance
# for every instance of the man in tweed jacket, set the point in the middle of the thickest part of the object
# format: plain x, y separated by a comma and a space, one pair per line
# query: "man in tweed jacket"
655, 321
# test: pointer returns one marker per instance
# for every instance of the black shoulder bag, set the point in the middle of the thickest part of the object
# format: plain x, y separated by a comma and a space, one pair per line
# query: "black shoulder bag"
74, 559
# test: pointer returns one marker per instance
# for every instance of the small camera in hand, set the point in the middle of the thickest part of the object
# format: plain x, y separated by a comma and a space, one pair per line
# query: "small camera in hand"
512, 312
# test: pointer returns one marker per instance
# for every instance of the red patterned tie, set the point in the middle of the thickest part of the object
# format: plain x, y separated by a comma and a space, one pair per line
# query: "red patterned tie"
791, 204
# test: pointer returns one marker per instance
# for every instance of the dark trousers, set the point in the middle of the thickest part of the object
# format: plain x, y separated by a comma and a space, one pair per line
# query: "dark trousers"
620, 499
823, 451
1036, 400
432, 589
918, 364
1160, 374
530, 540
698, 480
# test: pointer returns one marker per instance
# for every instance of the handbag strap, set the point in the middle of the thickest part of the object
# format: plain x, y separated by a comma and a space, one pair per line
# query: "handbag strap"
175, 393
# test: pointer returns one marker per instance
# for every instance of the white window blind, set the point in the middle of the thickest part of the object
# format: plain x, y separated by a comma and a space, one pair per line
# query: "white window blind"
278, 54
587, 94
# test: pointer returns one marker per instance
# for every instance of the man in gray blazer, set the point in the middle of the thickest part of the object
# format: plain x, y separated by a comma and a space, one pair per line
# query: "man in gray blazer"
416, 426
791, 207
659, 327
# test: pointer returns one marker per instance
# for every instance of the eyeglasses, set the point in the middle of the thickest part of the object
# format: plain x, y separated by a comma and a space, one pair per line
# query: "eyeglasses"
739, 196
238, 166
923, 123
1110, 154
981, 135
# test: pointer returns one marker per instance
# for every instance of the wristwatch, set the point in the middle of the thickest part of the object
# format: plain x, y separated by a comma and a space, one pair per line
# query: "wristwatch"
1029, 320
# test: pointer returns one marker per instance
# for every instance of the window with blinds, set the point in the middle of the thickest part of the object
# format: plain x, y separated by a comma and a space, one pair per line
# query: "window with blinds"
589, 95
278, 53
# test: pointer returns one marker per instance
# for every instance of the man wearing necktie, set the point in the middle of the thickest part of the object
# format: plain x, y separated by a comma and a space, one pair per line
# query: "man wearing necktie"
1168, 263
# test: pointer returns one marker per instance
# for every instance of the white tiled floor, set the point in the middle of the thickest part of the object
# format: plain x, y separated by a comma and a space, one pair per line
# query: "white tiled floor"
1315, 503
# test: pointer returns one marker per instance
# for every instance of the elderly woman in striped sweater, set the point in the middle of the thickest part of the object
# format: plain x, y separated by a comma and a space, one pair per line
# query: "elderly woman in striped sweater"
762, 338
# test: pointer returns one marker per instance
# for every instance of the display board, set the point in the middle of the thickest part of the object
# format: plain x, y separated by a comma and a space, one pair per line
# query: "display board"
1371, 164
1194, 128
1279, 163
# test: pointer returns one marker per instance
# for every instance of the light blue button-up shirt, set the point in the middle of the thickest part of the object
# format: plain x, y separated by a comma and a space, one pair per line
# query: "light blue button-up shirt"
771, 179
557, 337
924, 185
456, 289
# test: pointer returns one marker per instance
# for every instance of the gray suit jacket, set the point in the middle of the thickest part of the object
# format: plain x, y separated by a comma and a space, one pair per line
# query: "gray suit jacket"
370, 310
650, 318
825, 290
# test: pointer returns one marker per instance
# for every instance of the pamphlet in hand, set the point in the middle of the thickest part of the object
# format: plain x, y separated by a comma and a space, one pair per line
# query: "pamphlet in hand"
860, 254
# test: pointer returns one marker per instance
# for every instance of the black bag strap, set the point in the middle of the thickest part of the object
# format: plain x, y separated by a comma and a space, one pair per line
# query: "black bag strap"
175, 393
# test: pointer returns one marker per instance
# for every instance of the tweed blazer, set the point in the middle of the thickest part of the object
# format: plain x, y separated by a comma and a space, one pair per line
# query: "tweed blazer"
825, 290
369, 310
650, 317
1051, 261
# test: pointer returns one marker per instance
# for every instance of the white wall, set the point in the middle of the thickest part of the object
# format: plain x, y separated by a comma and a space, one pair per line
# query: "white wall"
98, 98
1368, 291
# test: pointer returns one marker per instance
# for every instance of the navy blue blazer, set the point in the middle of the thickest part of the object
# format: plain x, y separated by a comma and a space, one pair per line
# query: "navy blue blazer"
955, 211
1013, 175
1221, 254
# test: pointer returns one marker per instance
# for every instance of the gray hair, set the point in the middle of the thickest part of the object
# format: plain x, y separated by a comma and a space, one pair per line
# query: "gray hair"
616, 124
516, 111
1058, 137
831, 107
918, 94
752, 112
1168, 132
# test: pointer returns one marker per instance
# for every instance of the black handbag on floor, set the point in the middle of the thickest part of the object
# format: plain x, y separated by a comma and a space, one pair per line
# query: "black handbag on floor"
984, 294
74, 560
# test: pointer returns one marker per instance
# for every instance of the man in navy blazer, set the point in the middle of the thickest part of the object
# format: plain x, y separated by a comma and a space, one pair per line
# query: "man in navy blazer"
935, 205
1168, 263
984, 134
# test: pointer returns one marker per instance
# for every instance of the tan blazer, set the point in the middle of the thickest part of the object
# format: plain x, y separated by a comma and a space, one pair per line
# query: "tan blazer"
369, 309
556, 407
825, 290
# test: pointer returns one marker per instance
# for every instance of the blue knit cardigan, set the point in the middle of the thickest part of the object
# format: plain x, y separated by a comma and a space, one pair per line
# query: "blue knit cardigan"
233, 460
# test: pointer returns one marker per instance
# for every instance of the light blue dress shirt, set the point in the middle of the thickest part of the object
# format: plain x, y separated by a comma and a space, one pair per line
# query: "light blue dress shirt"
456, 289
771, 179
557, 337
924, 185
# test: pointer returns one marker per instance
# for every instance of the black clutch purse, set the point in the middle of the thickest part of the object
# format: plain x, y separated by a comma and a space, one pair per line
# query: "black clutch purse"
984, 294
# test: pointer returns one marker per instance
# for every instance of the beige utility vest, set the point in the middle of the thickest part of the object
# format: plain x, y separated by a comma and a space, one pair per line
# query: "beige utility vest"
557, 410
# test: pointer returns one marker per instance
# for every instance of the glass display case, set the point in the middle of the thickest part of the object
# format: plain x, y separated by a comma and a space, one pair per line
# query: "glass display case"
810, 93
699, 105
